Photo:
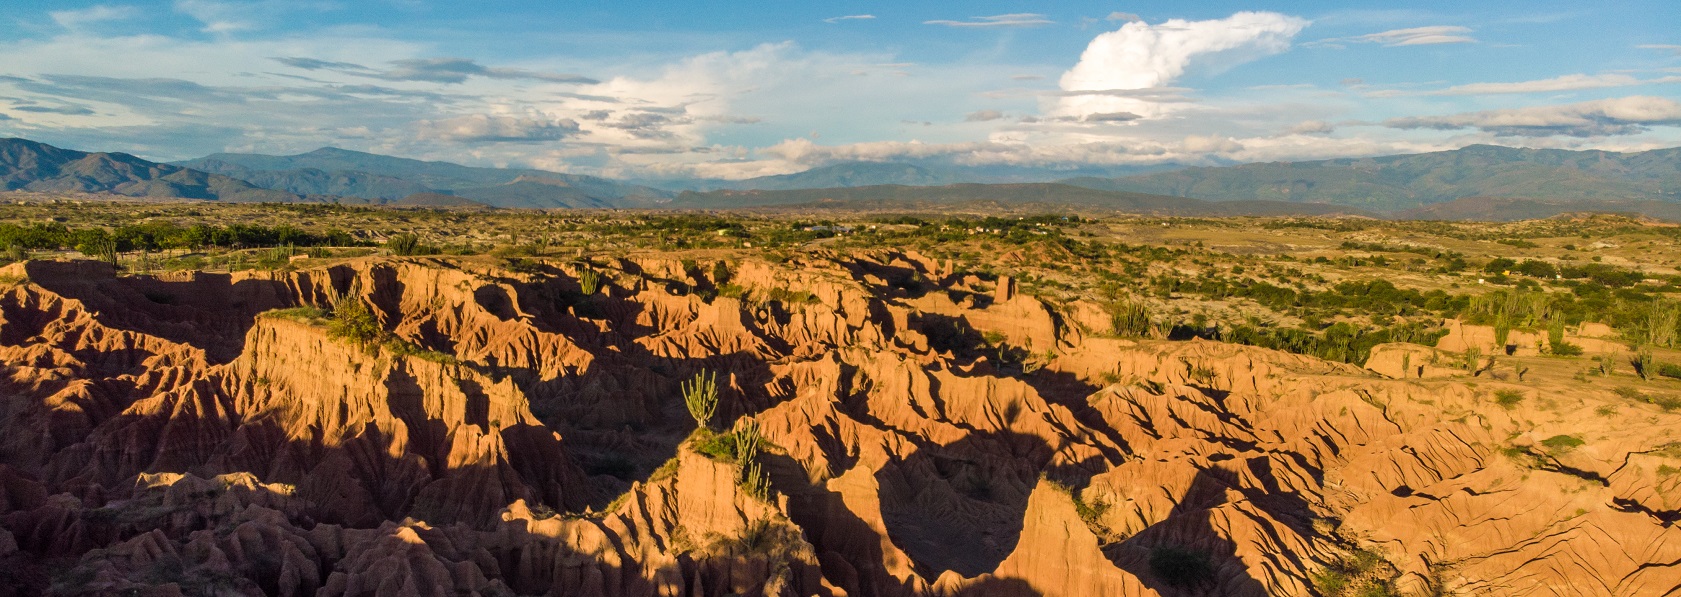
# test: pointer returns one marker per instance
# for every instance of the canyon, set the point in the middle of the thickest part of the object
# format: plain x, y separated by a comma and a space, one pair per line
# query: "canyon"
522, 433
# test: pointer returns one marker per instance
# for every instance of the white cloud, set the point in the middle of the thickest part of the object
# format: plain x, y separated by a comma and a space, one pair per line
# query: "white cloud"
74, 19
1140, 56
983, 116
491, 128
1122, 17
226, 16
1019, 19
1671, 48
849, 18
1560, 83
1414, 36
1618, 116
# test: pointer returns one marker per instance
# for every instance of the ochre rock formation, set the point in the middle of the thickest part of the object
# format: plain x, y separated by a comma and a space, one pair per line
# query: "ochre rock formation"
927, 432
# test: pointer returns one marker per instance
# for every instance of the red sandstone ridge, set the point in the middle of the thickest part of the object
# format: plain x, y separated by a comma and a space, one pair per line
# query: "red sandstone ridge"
509, 434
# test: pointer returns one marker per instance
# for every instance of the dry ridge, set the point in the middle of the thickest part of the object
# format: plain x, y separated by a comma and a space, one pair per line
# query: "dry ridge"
175, 435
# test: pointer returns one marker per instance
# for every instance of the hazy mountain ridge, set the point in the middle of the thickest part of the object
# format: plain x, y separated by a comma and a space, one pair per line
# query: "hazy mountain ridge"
1476, 182
910, 173
1400, 182
891, 196
373, 176
314, 181
32, 166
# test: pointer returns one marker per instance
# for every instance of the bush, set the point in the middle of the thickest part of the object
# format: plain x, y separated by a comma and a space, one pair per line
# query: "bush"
404, 245
354, 322
1181, 567
1508, 398
1642, 363
717, 446
1564, 349
1357, 574
1562, 443
589, 281
1130, 319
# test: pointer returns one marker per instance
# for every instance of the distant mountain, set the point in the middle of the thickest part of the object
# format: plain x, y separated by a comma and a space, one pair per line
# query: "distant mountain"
32, 166
864, 174
854, 174
1030, 194
1401, 182
313, 181
357, 174
1512, 209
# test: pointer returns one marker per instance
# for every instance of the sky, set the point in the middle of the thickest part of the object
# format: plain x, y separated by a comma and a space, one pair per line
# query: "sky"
736, 89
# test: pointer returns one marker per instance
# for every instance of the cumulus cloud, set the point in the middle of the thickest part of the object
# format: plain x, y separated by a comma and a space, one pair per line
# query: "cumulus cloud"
74, 19
1019, 19
1560, 83
1619, 116
488, 128
833, 20
1141, 56
1414, 36
983, 116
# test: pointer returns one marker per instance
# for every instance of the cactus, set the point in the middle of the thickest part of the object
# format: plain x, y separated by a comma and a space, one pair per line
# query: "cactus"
748, 441
700, 394
753, 479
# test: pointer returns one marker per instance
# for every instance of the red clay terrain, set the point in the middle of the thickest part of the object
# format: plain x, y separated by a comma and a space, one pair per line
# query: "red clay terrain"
924, 432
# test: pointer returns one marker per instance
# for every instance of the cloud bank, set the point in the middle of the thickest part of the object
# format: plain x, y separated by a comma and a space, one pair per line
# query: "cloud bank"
1619, 116
1141, 56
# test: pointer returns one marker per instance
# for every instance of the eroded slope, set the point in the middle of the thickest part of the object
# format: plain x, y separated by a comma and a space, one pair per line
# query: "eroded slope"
928, 432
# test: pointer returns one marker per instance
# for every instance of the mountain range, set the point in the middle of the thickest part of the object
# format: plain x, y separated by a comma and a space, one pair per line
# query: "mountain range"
1476, 182
379, 178
1401, 182
31, 166
1049, 195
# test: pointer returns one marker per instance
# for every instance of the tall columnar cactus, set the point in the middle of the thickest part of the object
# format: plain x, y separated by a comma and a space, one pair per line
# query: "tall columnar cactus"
747, 441
754, 479
701, 396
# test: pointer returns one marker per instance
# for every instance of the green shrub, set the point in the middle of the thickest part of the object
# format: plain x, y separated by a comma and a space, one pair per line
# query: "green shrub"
1642, 363
1361, 574
1562, 443
1508, 398
1130, 318
403, 245
351, 320
304, 314
589, 281
1667, 403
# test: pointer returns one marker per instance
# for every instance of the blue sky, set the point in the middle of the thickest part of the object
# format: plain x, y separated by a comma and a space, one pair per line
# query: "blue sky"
738, 89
